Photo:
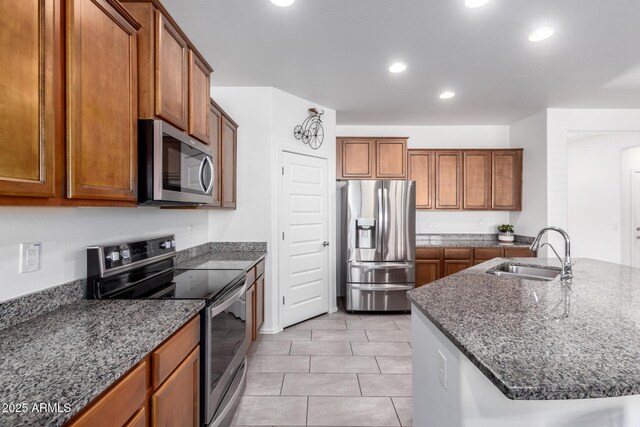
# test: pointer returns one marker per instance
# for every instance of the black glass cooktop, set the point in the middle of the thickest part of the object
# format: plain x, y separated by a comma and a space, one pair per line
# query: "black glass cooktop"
205, 284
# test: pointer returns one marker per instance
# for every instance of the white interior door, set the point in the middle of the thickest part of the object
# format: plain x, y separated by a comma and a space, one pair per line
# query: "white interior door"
635, 219
304, 267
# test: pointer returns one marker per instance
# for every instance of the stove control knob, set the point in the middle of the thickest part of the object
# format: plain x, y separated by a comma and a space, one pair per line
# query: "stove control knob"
125, 254
173, 243
113, 256
166, 244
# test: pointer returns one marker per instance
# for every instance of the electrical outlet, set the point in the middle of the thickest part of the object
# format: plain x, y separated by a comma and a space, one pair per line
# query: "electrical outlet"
442, 369
29, 257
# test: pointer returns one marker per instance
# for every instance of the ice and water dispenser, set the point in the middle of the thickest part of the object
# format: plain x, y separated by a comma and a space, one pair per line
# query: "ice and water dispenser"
365, 233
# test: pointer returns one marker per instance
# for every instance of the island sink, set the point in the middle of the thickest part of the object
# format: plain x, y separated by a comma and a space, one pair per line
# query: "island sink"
528, 272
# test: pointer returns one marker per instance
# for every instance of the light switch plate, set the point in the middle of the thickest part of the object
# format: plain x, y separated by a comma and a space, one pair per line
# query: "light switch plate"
29, 257
442, 369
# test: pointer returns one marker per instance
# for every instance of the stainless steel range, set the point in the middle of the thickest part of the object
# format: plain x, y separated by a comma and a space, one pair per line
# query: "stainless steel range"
144, 269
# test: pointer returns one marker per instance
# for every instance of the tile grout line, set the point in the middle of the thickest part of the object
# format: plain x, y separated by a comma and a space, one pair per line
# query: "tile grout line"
378, 364
395, 409
359, 386
282, 383
306, 420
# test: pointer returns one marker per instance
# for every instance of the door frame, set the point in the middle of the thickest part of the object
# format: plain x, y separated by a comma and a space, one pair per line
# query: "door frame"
633, 211
331, 256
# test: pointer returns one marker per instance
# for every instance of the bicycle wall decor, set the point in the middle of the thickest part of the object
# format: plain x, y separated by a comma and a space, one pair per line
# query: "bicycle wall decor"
311, 131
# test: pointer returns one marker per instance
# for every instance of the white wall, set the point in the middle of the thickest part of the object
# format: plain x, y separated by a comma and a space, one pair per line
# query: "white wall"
530, 133
445, 137
562, 122
66, 232
598, 170
267, 117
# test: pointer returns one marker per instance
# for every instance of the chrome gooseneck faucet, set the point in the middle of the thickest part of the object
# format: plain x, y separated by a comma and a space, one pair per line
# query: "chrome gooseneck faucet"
567, 266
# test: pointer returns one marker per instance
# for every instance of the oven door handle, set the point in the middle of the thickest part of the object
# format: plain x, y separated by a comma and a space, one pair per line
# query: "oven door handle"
228, 302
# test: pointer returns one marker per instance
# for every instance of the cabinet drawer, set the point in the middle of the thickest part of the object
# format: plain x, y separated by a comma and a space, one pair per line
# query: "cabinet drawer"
457, 254
120, 403
260, 268
139, 419
487, 253
519, 253
174, 350
251, 276
428, 253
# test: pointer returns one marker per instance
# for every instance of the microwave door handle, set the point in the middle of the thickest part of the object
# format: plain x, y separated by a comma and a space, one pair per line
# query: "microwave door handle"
200, 180
210, 186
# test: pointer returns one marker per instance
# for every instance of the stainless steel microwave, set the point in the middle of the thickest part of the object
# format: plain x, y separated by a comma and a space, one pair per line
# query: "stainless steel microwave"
173, 168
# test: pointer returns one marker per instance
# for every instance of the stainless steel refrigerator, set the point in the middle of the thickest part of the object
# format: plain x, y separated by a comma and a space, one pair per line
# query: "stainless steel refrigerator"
379, 244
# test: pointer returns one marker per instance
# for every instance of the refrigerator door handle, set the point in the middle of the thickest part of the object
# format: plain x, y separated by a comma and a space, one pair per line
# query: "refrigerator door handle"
381, 287
382, 265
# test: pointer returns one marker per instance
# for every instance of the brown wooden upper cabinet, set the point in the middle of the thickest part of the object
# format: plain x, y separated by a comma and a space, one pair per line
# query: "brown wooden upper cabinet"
467, 179
173, 76
224, 144
229, 139
102, 107
215, 119
476, 178
421, 170
506, 180
371, 158
448, 171
28, 118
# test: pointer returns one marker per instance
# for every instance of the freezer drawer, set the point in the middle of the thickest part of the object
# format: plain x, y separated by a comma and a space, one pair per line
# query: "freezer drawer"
381, 272
378, 297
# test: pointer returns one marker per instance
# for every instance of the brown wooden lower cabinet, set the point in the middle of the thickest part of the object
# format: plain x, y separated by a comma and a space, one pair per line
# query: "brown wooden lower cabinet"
427, 271
177, 401
435, 263
172, 393
255, 297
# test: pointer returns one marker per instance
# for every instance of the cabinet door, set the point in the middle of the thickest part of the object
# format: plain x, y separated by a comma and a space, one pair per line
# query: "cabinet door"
120, 403
506, 180
229, 163
199, 99
102, 114
177, 401
171, 73
519, 253
259, 303
477, 180
251, 308
421, 170
455, 266
215, 122
27, 118
391, 159
448, 172
427, 271
357, 158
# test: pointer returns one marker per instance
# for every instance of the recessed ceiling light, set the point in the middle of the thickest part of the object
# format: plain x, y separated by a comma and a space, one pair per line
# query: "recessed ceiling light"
447, 95
282, 3
397, 67
540, 34
475, 3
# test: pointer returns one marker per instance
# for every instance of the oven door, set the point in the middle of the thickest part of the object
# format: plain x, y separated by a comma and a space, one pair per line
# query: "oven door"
183, 168
226, 343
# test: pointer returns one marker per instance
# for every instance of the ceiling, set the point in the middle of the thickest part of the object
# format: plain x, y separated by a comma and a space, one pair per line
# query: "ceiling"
336, 53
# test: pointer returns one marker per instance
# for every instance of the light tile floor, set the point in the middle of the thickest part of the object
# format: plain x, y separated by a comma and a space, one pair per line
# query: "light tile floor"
337, 369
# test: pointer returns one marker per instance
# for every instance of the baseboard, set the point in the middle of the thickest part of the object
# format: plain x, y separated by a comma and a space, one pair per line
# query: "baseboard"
270, 331
333, 309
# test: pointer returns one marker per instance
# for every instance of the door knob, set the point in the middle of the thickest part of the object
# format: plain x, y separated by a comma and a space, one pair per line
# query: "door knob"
325, 243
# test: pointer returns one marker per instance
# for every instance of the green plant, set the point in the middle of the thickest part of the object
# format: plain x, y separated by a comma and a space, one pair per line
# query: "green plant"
505, 228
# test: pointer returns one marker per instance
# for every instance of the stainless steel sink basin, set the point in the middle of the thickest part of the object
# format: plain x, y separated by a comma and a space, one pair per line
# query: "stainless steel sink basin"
528, 272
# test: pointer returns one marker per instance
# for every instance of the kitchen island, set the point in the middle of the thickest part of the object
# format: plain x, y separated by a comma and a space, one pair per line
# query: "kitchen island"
497, 351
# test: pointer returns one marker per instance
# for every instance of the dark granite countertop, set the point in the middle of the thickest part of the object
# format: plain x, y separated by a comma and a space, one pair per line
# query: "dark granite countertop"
72, 354
544, 340
436, 243
241, 260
